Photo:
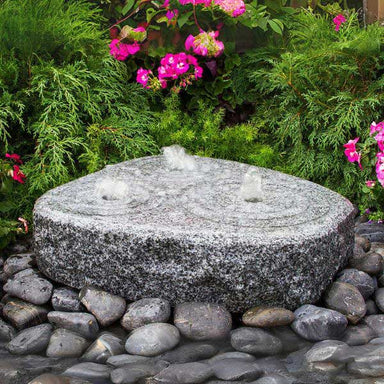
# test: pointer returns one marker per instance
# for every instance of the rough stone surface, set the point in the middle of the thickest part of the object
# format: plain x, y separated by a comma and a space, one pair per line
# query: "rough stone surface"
31, 340
152, 339
267, 317
22, 315
103, 347
30, 287
146, 311
202, 321
346, 299
317, 324
67, 300
17, 263
105, 307
65, 343
83, 323
361, 280
255, 341
196, 238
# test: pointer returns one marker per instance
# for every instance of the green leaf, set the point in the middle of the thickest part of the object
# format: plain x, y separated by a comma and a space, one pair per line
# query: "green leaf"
127, 7
276, 25
184, 18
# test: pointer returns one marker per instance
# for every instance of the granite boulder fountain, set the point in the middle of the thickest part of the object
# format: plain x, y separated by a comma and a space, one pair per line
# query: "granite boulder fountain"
186, 228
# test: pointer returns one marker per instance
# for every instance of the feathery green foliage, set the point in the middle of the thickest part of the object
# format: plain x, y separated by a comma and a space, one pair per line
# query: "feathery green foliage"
315, 93
66, 106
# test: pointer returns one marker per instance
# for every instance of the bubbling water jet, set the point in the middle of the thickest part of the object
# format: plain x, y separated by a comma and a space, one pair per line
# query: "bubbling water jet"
251, 190
110, 189
177, 159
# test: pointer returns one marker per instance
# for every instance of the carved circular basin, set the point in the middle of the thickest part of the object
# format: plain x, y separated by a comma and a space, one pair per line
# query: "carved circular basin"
190, 236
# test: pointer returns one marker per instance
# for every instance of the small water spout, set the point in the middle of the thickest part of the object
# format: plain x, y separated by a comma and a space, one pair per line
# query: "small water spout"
178, 159
251, 190
110, 189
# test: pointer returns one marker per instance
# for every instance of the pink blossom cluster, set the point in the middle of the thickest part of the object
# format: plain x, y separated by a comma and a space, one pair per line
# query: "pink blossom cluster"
338, 20
121, 51
233, 8
205, 44
15, 172
179, 66
206, 3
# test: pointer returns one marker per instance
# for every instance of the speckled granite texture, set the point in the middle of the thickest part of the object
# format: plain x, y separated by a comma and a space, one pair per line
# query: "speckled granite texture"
188, 235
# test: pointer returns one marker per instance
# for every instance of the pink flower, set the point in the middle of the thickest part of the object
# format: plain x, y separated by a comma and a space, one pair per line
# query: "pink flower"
139, 29
198, 72
370, 183
120, 51
351, 152
205, 3
376, 128
380, 168
17, 174
233, 8
15, 157
380, 140
25, 224
205, 44
338, 20
143, 76
171, 14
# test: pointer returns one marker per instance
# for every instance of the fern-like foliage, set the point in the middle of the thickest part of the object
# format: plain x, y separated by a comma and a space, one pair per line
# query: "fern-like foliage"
315, 93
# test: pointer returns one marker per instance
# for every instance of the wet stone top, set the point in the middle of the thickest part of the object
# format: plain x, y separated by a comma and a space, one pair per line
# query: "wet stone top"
146, 195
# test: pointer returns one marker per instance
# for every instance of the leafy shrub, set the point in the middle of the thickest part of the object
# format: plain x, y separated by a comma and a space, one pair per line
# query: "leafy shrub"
65, 105
315, 93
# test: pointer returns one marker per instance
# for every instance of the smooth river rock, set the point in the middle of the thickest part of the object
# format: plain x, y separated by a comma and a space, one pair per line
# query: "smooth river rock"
196, 237
236, 369
7, 332
361, 280
267, 317
346, 299
256, 341
107, 308
152, 339
22, 315
48, 378
29, 287
95, 373
137, 372
190, 352
67, 300
202, 321
65, 343
146, 311
31, 340
379, 299
317, 324
19, 262
105, 346
186, 373
376, 323
83, 323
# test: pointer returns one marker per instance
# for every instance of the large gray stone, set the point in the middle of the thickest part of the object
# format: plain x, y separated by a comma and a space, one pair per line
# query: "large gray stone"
202, 321
66, 299
141, 227
137, 372
152, 339
96, 373
317, 324
190, 352
31, 340
361, 280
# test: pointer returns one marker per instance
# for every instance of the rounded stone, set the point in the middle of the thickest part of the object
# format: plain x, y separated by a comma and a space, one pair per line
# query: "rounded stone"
49, 378
202, 321
83, 323
67, 300
346, 299
267, 317
317, 324
359, 279
30, 287
7, 332
358, 335
146, 311
19, 262
371, 262
236, 369
184, 373
152, 339
65, 343
327, 351
363, 243
95, 373
31, 340
379, 299
195, 235
274, 378
105, 346
190, 352
256, 341
105, 307
376, 322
